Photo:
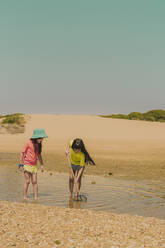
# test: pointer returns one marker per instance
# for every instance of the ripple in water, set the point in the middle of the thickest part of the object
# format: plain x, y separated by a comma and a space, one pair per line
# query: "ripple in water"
105, 194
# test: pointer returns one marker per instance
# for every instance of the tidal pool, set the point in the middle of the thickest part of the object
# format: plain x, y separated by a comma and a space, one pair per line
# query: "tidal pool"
146, 198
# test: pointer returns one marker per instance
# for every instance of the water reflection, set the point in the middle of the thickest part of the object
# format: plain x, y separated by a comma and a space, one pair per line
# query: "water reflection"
74, 204
119, 196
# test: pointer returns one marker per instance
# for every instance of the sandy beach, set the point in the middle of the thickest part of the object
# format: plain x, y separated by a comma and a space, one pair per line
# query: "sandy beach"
69, 69
126, 149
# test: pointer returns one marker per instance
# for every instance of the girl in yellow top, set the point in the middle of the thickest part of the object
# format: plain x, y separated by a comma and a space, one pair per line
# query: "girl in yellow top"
78, 157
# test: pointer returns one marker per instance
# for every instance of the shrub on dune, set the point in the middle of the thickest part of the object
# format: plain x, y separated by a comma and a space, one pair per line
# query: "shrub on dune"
152, 115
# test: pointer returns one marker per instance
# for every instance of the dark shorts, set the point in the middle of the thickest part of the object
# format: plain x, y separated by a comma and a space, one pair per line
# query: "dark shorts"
76, 167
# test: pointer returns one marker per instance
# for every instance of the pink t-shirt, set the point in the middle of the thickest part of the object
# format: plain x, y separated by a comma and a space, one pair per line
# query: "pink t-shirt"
30, 157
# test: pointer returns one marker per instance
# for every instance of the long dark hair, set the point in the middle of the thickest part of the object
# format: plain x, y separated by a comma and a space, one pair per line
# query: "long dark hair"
79, 144
37, 146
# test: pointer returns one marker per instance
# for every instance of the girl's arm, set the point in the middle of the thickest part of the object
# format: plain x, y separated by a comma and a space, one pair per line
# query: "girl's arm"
22, 158
67, 150
67, 153
20, 166
41, 162
79, 174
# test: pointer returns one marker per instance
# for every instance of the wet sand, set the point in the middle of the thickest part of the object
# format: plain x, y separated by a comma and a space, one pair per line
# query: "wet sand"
32, 225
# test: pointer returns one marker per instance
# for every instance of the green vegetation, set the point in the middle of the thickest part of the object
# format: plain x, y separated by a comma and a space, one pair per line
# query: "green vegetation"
152, 115
14, 123
16, 118
57, 242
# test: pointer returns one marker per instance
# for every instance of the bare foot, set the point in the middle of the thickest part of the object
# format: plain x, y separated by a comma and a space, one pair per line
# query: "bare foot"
76, 197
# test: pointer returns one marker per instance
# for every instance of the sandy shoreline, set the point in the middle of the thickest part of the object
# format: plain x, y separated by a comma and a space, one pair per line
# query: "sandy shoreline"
33, 225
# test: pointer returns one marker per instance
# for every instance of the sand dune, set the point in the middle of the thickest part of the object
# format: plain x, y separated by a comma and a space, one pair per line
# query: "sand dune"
124, 148
98, 133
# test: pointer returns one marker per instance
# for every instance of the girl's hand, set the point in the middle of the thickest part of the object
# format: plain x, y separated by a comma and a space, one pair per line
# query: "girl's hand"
42, 168
20, 167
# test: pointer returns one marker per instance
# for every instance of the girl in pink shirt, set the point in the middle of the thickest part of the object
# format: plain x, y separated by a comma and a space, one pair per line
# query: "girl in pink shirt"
30, 155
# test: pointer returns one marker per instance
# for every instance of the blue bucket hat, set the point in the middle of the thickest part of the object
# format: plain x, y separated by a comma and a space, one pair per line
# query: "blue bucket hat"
39, 133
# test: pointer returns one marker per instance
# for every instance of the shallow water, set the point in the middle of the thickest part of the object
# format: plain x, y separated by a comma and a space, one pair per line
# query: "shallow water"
145, 198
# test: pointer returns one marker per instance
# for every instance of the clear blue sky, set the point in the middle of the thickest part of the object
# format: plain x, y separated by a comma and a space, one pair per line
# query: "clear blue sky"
82, 57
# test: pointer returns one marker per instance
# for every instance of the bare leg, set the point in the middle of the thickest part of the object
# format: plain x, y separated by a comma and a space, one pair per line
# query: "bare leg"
71, 182
26, 184
79, 176
35, 185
